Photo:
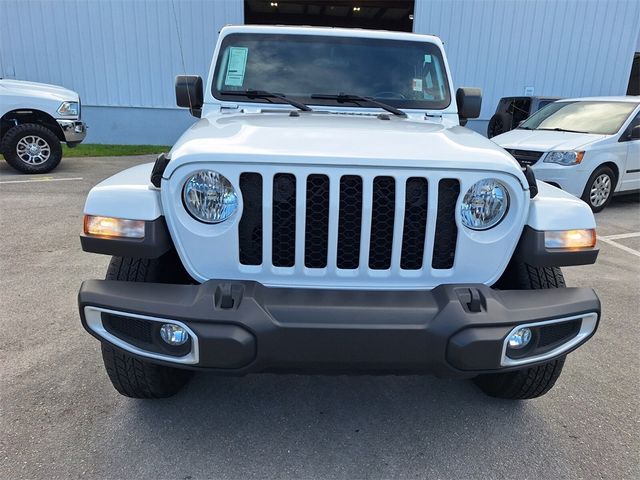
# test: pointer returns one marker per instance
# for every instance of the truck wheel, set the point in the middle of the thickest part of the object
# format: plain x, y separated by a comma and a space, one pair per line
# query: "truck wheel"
31, 148
599, 188
535, 381
131, 376
499, 123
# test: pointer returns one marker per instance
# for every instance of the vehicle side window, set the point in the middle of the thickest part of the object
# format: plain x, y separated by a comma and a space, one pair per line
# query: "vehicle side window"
520, 108
632, 132
543, 103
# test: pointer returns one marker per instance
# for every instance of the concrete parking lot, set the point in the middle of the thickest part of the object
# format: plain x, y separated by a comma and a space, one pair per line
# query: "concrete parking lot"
60, 417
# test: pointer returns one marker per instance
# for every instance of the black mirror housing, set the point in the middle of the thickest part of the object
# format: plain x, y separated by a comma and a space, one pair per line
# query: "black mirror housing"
469, 102
190, 94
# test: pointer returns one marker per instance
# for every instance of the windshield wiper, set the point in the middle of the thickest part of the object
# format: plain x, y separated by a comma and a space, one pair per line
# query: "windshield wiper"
267, 95
347, 98
560, 130
524, 128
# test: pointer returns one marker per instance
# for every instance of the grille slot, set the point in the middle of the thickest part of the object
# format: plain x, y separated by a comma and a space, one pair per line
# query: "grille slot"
284, 220
525, 158
444, 248
349, 222
382, 215
250, 227
415, 223
316, 239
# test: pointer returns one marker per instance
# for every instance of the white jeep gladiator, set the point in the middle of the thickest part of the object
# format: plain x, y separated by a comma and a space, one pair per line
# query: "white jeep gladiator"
328, 214
34, 119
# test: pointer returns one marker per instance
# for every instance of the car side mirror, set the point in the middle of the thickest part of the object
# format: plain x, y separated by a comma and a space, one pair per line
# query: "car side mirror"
469, 101
189, 93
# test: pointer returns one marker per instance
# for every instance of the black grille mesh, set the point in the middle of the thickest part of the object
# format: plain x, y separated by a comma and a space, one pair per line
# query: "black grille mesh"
444, 247
283, 243
349, 222
525, 158
250, 227
559, 332
415, 223
382, 215
317, 222
128, 328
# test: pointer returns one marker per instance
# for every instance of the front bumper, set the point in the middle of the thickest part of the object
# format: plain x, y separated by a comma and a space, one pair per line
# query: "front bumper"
242, 327
74, 130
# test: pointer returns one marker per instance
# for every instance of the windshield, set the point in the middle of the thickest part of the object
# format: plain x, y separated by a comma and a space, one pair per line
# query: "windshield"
602, 118
404, 74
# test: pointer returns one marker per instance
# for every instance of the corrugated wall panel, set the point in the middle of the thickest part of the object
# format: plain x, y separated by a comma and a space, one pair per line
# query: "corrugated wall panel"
113, 52
560, 48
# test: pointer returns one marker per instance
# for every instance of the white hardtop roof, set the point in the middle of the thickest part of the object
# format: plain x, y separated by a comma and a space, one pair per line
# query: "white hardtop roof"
330, 32
627, 98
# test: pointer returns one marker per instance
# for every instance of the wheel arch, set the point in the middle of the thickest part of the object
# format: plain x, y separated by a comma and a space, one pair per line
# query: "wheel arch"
29, 115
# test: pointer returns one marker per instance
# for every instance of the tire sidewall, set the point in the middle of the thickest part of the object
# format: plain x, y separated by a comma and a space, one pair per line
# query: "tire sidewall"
13, 136
586, 194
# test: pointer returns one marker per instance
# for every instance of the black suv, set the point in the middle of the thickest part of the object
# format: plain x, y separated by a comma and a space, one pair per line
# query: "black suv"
512, 110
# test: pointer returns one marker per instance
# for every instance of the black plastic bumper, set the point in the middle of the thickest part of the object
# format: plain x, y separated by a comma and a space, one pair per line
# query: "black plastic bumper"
243, 327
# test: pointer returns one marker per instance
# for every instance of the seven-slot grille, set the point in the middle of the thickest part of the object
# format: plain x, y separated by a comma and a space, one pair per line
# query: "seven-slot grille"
525, 158
383, 222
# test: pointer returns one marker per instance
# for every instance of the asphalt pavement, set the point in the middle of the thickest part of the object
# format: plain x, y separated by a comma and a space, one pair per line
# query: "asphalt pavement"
60, 417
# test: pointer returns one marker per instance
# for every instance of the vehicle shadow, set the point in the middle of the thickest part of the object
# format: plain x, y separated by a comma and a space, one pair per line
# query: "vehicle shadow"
334, 422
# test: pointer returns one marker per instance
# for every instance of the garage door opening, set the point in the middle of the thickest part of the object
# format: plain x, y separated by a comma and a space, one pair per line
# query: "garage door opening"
372, 14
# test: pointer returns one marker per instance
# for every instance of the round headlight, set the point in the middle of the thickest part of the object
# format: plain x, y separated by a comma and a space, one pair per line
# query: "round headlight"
209, 197
484, 204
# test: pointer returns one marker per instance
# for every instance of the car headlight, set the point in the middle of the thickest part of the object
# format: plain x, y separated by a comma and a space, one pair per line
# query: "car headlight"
564, 157
69, 109
484, 205
209, 197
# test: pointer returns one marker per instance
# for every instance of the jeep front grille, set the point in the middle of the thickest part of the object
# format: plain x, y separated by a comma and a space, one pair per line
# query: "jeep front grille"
397, 214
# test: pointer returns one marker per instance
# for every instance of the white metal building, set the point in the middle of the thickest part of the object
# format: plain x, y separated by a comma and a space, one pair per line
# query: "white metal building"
122, 55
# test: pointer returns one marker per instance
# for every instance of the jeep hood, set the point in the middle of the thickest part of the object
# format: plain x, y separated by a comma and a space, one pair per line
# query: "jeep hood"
338, 139
545, 140
33, 89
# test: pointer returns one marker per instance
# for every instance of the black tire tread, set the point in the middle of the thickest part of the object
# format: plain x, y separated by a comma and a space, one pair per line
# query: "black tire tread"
135, 378
131, 376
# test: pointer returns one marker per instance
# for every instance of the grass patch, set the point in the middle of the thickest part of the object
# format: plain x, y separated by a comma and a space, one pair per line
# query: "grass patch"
95, 150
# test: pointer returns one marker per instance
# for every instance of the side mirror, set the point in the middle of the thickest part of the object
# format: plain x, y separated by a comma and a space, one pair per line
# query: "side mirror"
189, 93
469, 101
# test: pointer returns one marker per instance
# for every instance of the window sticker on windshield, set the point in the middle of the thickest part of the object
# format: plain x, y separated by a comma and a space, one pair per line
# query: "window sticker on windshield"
417, 85
427, 59
236, 66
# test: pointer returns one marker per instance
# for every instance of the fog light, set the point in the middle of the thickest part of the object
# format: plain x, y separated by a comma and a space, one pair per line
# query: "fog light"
173, 334
520, 338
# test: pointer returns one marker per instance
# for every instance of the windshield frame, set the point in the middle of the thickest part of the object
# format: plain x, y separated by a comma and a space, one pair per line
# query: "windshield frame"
541, 112
407, 104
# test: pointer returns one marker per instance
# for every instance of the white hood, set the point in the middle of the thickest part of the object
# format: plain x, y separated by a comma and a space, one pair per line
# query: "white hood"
33, 89
545, 140
337, 139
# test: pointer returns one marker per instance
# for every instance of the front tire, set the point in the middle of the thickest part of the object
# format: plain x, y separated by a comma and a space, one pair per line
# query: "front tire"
599, 188
31, 148
535, 381
132, 376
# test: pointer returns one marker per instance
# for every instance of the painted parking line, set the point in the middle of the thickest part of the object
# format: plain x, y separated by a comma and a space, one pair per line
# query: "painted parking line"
611, 240
42, 179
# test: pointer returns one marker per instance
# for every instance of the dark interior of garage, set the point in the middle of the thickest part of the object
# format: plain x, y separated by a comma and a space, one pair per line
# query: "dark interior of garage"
372, 14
